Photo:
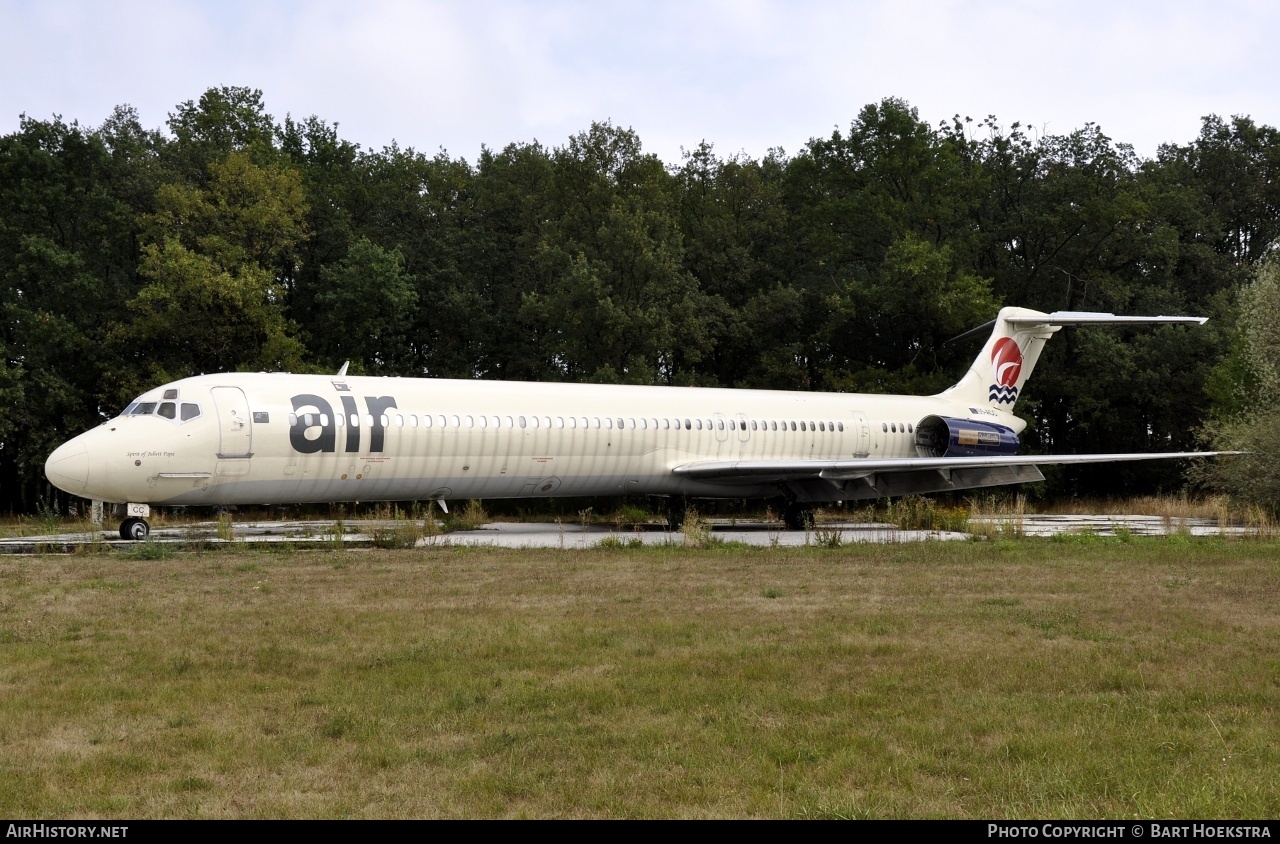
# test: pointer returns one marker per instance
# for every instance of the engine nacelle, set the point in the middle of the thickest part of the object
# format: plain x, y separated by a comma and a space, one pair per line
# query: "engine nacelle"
943, 436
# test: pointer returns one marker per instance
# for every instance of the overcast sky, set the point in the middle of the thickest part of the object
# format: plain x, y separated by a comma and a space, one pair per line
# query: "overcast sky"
746, 76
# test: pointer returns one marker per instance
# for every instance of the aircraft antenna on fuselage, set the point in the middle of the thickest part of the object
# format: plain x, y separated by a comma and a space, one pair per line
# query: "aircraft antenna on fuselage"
343, 370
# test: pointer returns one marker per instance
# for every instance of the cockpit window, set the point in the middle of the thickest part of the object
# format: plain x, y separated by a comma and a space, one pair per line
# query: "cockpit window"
168, 410
143, 408
190, 411
129, 409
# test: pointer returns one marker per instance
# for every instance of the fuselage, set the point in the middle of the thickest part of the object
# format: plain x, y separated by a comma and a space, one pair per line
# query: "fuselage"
261, 438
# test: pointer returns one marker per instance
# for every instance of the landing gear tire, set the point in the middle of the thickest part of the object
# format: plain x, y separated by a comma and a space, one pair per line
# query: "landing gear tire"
796, 517
135, 529
675, 508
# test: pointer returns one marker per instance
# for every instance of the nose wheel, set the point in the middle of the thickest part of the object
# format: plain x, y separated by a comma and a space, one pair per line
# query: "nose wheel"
135, 529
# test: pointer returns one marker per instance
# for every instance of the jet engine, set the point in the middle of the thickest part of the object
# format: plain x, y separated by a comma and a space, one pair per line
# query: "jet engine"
943, 436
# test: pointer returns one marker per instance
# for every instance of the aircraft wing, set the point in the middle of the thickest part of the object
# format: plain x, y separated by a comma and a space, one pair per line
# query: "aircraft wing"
846, 470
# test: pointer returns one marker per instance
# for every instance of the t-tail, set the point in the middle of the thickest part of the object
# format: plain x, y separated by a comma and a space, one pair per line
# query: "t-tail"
1002, 368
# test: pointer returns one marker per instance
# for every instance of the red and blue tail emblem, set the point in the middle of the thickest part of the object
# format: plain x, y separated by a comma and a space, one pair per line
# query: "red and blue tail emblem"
1006, 363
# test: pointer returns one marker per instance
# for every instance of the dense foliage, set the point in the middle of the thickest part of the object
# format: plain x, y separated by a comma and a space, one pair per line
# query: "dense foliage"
131, 256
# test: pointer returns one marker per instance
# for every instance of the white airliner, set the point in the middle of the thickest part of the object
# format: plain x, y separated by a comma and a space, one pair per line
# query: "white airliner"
275, 438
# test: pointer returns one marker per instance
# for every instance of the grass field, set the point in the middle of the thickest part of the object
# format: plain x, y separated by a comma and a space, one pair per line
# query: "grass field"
1028, 678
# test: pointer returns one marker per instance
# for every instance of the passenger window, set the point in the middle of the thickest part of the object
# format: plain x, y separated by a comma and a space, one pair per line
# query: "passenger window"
546, 421
368, 419
631, 423
559, 421
413, 421
573, 422
426, 420
688, 426
523, 422
293, 419
884, 426
168, 410
911, 429
534, 421
324, 419
699, 421
484, 422
595, 421
841, 424
753, 425
340, 420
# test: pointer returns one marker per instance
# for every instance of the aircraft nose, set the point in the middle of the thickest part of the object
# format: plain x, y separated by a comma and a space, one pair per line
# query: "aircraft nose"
68, 467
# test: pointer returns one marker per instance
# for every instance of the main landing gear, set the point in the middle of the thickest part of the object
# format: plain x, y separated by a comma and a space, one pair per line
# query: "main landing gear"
134, 526
797, 517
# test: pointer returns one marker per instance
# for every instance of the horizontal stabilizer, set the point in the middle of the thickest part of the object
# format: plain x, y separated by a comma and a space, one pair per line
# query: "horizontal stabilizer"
1088, 318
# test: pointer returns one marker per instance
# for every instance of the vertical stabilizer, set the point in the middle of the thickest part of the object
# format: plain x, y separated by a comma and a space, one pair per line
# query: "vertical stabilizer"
997, 376
1003, 366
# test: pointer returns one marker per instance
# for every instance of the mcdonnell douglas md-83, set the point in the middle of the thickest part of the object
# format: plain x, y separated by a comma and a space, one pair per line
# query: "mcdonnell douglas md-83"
278, 438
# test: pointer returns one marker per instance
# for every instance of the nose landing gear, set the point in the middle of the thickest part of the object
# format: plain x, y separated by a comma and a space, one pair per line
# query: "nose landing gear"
134, 526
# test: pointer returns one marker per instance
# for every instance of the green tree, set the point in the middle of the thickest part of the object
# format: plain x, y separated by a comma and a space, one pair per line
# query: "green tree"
70, 204
615, 301
1255, 476
213, 298
371, 302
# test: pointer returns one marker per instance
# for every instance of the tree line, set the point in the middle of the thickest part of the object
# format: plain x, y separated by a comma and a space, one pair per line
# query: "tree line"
232, 241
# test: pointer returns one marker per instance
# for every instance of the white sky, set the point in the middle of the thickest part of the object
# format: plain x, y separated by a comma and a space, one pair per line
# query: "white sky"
746, 75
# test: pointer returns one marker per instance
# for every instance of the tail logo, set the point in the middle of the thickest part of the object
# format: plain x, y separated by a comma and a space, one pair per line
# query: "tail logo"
1006, 365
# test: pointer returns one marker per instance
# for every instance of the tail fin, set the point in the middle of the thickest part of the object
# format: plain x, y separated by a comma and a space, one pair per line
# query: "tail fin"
1005, 363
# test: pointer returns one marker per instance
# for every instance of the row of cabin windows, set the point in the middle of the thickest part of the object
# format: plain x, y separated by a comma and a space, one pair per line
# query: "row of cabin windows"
897, 428
594, 422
